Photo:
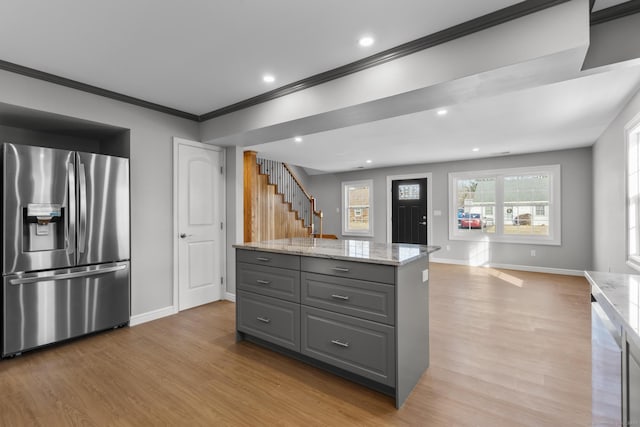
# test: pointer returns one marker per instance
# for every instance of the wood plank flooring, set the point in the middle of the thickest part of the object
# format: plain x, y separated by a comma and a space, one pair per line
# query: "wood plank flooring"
508, 348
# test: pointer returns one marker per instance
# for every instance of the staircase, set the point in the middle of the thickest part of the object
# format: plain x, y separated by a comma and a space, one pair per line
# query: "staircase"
276, 205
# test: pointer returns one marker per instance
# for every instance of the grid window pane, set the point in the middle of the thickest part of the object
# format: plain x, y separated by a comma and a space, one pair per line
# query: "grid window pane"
475, 205
409, 192
357, 207
525, 199
358, 197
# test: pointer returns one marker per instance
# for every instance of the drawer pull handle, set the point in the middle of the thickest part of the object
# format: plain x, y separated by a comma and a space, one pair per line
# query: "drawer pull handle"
341, 269
264, 319
263, 282
342, 297
263, 259
340, 343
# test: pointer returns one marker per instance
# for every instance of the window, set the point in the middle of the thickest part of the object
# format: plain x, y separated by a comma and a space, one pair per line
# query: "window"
409, 192
357, 208
632, 131
508, 205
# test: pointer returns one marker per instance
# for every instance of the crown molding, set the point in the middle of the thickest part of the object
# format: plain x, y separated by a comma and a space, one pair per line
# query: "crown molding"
614, 12
501, 16
52, 78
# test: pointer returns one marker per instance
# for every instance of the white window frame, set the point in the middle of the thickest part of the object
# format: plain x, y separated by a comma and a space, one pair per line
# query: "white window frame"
632, 136
555, 217
345, 209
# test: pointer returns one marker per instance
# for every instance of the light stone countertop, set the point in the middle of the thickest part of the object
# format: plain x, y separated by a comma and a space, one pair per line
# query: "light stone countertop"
348, 250
619, 296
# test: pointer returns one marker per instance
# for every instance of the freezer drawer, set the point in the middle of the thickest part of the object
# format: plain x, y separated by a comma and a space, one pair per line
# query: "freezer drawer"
46, 307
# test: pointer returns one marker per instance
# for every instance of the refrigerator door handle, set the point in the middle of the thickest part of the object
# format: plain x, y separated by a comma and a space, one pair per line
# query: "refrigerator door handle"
82, 226
75, 274
71, 210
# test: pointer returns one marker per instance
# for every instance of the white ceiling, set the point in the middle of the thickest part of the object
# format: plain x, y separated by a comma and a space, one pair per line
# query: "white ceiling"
200, 55
563, 115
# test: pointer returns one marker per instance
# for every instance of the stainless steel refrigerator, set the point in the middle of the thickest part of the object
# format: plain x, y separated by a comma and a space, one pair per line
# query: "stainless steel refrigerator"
65, 245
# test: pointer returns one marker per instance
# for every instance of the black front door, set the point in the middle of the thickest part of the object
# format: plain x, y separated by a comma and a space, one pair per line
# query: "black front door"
409, 211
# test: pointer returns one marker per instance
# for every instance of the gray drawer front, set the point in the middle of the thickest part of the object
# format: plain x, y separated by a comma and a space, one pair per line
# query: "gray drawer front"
291, 262
355, 345
367, 300
350, 269
271, 319
270, 281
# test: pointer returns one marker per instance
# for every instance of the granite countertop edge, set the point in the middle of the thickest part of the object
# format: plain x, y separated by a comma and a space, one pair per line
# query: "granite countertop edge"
317, 253
609, 307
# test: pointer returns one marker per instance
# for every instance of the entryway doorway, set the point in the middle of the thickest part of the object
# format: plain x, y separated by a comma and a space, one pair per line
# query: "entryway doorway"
409, 211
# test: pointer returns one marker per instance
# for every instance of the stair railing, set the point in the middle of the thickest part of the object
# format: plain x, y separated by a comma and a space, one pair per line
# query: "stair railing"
287, 183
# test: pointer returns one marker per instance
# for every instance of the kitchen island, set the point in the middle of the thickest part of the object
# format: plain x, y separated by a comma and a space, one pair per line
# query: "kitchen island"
356, 308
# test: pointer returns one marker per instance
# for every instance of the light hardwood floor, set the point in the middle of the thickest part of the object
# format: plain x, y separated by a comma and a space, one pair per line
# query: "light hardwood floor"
508, 348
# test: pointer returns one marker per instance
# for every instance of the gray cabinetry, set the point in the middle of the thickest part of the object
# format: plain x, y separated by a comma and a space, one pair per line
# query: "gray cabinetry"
367, 300
351, 269
291, 262
360, 346
268, 318
340, 315
268, 297
270, 281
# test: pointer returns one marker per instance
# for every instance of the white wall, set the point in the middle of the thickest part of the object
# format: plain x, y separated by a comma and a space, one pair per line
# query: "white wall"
609, 200
574, 253
151, 175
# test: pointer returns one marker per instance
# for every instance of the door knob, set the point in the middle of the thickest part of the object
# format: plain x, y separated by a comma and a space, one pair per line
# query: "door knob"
184, 236
422, 222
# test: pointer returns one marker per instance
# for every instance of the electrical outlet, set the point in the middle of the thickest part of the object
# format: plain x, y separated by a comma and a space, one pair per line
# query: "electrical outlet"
533, 252
425, 275
448, 247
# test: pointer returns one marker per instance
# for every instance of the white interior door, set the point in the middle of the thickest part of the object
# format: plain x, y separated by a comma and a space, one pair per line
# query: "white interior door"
200, 208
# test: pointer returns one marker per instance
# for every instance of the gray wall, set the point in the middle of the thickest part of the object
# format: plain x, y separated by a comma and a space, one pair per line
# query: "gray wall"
151, 175
574, 253
609, 199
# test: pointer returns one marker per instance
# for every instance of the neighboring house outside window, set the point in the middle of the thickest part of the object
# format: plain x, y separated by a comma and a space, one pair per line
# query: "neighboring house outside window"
357, 208
520, 205
632, 133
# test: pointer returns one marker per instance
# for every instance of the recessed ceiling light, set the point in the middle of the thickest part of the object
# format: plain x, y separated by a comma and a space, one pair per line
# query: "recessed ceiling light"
368, 161
475, 150
442, 112
297, 139
366, 41
268, 78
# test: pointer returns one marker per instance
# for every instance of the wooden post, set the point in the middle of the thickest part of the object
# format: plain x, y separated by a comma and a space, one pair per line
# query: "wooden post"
250, 196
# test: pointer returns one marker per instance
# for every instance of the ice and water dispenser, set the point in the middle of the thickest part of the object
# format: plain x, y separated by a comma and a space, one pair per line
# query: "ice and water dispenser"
43, 227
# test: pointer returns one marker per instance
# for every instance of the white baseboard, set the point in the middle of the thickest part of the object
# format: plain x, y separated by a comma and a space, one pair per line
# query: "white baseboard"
152, 315
230, 297
534, 269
